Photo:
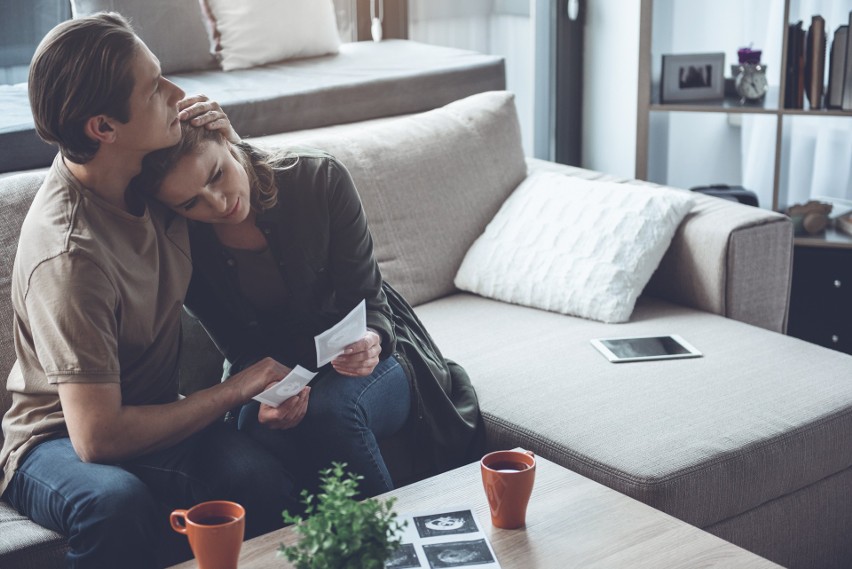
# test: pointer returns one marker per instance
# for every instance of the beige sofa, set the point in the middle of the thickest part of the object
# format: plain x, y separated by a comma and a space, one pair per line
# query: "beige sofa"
749, 442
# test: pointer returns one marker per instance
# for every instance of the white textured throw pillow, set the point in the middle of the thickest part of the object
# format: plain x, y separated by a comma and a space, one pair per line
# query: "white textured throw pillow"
574, 246
254, 32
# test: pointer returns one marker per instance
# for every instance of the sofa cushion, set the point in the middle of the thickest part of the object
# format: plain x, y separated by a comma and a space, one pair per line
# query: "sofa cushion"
22, 148
16, 194
581, 247
430, 183
255, 32
22, 543
727, 259
759, 416
26, 545
172, 29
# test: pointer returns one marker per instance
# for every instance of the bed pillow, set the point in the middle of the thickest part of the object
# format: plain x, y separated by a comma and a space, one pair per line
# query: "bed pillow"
580, 247
247, 33
172, 29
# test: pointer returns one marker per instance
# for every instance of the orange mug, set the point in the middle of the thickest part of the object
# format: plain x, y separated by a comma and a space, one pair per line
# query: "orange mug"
508, 477
215, 531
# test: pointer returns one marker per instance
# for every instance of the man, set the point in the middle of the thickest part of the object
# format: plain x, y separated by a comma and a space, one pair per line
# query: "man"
97, 440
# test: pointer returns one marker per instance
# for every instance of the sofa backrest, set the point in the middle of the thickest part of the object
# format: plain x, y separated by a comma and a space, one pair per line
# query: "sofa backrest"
429, 182
16, 194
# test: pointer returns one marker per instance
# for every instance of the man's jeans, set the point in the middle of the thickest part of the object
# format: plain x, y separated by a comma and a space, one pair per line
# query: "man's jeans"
345, 418
117, 515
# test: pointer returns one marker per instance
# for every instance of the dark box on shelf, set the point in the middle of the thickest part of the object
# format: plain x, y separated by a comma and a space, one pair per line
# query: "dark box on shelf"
732, 193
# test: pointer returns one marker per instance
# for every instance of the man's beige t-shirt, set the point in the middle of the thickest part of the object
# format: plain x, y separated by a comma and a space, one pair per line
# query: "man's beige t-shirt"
97, 294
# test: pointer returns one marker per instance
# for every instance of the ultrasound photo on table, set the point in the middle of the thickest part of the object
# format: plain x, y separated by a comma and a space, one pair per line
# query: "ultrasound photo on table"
446, 523
403, 557
458, 554
452, 537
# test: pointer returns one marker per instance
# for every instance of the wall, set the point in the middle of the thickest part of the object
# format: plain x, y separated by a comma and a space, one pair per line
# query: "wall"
699, 27
610, 89
501, 27
610, 61
512, 37
609, 86
22, 25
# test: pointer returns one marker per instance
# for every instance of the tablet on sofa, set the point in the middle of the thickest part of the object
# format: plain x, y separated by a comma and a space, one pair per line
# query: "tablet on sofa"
640, 349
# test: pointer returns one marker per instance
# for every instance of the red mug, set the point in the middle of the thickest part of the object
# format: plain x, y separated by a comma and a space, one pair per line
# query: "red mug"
215, 531
508, 476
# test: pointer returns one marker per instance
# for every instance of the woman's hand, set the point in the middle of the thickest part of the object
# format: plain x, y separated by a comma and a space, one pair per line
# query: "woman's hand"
360, 358
200, 110
288, 414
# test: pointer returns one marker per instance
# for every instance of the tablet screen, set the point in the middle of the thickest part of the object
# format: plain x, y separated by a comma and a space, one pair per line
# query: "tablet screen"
645, 348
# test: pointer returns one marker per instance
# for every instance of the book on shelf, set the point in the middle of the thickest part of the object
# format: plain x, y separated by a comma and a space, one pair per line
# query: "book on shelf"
847, 75
794, 90
815, 62
837, 68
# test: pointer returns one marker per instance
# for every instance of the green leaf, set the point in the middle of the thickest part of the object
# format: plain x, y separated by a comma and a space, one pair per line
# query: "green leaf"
338, 531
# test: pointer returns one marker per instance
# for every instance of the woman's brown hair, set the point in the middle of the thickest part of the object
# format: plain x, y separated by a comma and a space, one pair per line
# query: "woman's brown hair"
259, 165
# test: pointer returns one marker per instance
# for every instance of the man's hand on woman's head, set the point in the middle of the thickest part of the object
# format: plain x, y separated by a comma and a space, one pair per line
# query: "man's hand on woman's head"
361, 357
200, 110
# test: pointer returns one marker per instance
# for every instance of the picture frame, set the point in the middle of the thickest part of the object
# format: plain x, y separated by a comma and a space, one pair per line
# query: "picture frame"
692, 77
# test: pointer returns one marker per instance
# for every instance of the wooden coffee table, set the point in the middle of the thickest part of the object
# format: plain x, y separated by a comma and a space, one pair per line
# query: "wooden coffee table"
571, 522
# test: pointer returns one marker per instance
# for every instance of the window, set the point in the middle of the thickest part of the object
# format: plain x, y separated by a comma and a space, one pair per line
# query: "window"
22, 26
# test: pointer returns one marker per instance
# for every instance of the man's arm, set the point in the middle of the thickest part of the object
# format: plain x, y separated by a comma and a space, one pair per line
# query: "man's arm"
104, 430
75, 334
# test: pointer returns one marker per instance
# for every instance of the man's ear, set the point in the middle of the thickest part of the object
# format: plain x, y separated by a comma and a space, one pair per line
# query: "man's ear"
100, 129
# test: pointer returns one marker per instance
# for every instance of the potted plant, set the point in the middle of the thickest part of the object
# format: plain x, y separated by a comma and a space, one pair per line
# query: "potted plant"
340, 532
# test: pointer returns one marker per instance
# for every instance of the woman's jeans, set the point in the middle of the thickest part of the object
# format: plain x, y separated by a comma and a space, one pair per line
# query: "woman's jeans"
346, 417
117, 515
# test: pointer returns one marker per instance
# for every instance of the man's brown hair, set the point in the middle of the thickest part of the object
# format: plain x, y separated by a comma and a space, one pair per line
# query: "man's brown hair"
82, 68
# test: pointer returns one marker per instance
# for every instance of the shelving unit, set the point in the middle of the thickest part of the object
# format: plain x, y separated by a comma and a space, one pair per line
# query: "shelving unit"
821, 292
771, 108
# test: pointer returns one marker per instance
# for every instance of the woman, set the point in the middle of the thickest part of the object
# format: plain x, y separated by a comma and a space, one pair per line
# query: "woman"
281, 252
